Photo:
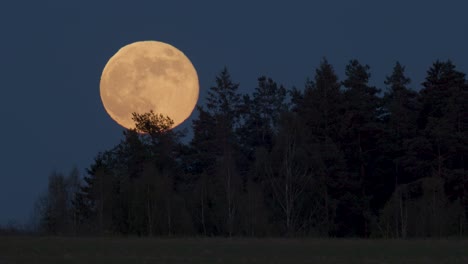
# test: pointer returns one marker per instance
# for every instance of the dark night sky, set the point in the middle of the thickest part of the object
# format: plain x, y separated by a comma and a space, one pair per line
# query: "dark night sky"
52, 54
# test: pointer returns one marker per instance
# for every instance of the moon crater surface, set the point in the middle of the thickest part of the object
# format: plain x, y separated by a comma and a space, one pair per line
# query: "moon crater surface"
145, 76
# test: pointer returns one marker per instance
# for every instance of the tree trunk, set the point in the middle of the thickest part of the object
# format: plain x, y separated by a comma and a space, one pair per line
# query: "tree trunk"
149, 211
101, 211
327, 213
362, 173
202, 200
403, 215
229, 200
169, 217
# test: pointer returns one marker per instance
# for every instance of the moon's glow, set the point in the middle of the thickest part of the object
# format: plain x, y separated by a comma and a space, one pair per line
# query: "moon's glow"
149, 75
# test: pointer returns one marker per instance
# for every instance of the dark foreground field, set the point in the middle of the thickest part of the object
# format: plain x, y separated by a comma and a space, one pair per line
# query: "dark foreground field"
218, 250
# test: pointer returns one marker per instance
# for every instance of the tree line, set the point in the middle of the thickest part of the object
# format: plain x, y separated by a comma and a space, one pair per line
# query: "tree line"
335, 159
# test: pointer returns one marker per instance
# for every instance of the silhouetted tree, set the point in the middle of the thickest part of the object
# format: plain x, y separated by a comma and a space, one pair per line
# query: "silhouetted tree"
360, 130
321, 110
261, 114
399, 117
443, 121
214, 138
287, 172
55, 208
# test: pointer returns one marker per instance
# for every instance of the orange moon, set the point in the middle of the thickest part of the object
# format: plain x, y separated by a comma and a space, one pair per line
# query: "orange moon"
145, 76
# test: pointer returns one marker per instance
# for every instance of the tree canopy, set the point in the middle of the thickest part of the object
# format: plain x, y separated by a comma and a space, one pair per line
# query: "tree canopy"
334, 159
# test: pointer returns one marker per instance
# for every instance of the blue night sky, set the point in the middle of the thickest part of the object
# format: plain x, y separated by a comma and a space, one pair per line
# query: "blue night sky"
52, 54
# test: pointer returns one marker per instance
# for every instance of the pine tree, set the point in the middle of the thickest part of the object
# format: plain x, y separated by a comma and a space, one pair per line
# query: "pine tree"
442, 123
217, 146
259, 126
261, 113
400, 113
321, 106
321, 109
359, 135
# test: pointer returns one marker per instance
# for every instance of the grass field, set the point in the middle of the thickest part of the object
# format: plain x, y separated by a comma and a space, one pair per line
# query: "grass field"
220, 250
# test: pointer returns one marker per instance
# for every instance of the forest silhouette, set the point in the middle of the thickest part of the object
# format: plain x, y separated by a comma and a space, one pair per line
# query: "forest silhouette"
334, 159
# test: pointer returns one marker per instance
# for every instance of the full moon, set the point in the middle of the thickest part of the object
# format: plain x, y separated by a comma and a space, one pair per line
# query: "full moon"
145, 76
